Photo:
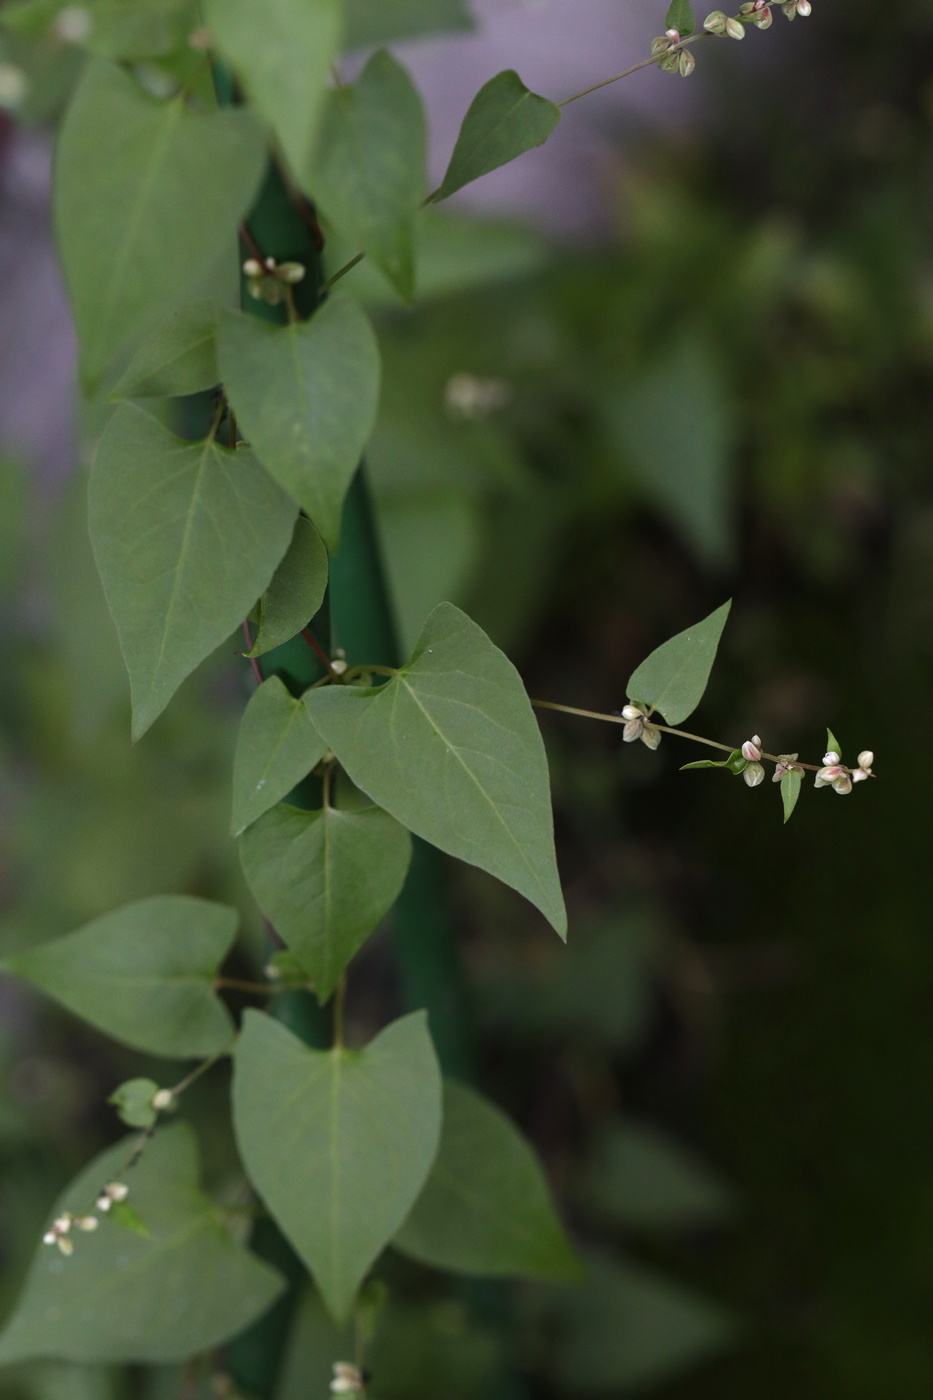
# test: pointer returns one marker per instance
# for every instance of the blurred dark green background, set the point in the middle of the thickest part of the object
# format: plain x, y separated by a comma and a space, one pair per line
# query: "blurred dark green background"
589, 447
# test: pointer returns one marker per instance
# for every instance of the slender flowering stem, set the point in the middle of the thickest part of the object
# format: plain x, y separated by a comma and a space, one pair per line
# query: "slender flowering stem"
318, 650
635, 67
665, 729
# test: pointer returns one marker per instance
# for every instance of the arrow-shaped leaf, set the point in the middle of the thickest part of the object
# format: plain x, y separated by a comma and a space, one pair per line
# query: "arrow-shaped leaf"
277, 747
503, 121
673, 678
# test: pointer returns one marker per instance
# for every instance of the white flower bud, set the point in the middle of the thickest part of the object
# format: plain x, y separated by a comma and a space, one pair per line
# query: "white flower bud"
843, 783
49, 1237
715, 22
632, 730
764, 18
650, 736
103, 1203
686, 63
660, 45
753, 774
116, 1191
87, 1223
162, 1100
803, 7
831, 757
734, 29
270, 263
66, 1246
63, 1224
338, 665
865, 759
859, 775
252, 268
673, 35
291, 271
829, 773
632, 712
751, 749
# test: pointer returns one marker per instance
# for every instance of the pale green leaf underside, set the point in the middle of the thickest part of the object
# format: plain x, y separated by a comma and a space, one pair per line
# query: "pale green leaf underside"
296, 591
277, 746
486, 1207
146, 194
282, 50
183, 1288
186, 537
451, 748
673, 678
503, 121
368, 171
338, 1142
325, 880
143, 974
178, 357
306, 397
790, 791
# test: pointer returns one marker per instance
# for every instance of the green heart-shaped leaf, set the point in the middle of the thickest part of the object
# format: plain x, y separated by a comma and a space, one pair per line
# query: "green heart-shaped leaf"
486, 1207
325, 880
337, 1142
277, 747
140, 227
450, 746
143, 974
178, 357
181, 1288
295, 593
186, 537
305, 395
673, 678
504, 120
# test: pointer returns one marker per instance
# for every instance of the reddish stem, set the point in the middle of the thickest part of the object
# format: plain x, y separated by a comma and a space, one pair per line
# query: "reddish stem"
316, 647
249, 646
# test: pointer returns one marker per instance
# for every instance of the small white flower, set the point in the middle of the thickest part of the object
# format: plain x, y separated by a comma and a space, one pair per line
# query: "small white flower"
87, 1223
163, 1100
252, 268
66, 1246
650, 735
630, 712
347, 1379
831, 758
753, 774
865, 759
735, 29
785, 764
751, 749
114, 1191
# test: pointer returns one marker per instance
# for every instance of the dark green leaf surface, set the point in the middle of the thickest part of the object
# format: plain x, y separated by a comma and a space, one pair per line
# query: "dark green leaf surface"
680, 17
790, 790
178, 357
504, 120
282, 51
182, 1288
305, 395
186, 537
450, 746
368, 171
139, 228
337, 1142
296, 591
277, 747
486, 1207
673, 678
325, 880
380, 21
143, 974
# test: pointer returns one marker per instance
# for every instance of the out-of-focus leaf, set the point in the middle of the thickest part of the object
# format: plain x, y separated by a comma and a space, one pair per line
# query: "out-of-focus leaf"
186, 537
486, 1208
382, 21
325, 880
139, 228
674, 429
504, 120
431, 541
629, 1327
178, 357
122, 1296
673, 678
368, 170
306, 397
295, 593
282, 50
640, 1176
353, 1130
133, 1102
143, 974
450, 746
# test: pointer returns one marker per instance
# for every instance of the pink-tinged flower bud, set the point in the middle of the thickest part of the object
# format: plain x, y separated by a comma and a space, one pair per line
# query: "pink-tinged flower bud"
673, 35
790, 9
734, 29
632, 730
843, 783
751, 749
753, 774
715, 22
686, 63
764, 19
828, 774
650, 736
803, 7
632, 712
831, 757
865, 759
860, 774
